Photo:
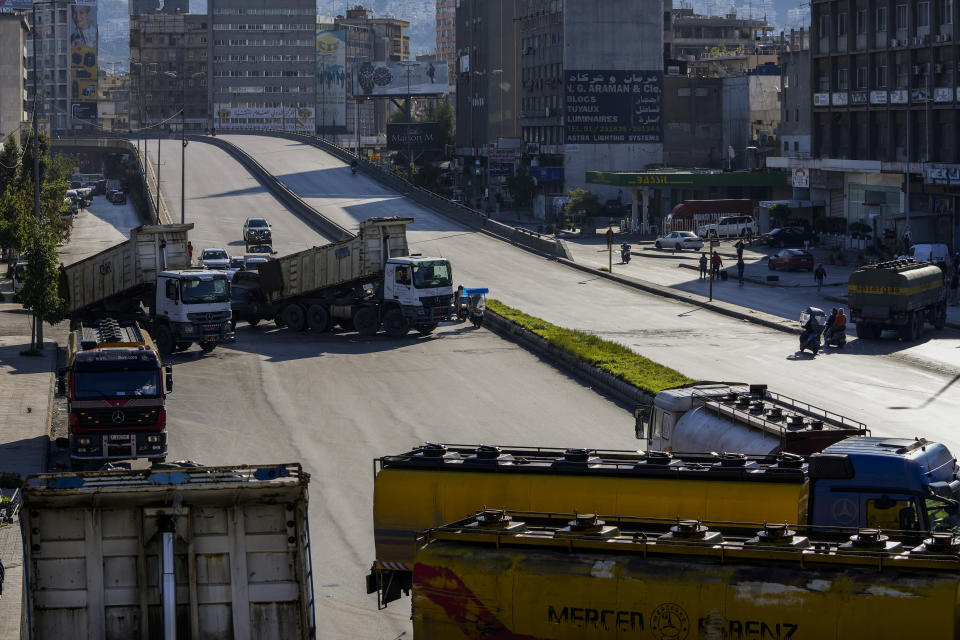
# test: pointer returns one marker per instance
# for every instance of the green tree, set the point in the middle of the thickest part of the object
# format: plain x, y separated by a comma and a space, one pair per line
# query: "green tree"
779, 214
9, 162
522, 188
442, 113
581, 202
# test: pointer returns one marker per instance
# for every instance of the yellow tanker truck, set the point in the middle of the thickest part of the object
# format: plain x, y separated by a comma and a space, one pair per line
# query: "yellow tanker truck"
527, 576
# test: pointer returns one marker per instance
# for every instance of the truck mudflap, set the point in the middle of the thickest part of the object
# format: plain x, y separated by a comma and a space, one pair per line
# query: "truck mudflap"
389, 580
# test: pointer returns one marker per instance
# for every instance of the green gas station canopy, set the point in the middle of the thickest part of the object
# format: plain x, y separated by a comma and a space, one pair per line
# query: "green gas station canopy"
687, 179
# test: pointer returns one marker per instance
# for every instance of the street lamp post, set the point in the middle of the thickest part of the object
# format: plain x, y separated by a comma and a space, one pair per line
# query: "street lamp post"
409, 105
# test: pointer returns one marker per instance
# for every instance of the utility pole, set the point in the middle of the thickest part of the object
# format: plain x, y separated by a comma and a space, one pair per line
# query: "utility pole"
710, 264
36, 159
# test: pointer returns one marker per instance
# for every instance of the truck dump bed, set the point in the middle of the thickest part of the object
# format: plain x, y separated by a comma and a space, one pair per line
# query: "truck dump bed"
116, 277
521, 575
348, 263
895, 286
96, 557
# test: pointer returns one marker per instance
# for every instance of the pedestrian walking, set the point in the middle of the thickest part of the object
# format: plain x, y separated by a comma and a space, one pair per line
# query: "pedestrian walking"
190, 251
739, 248
954, 284
703, 266
740, 267
819, 275
717, 264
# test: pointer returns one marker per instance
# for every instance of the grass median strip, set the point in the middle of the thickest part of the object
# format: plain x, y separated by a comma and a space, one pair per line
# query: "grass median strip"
631, 367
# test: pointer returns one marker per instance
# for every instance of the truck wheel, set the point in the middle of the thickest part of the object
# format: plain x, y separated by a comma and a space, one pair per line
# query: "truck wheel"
426, 329
395, 323
908, 330
366, 321
182, 346
940, 317
253, 322
863, 331
318, 317
164, 339
294, 317
346, 325
208, 346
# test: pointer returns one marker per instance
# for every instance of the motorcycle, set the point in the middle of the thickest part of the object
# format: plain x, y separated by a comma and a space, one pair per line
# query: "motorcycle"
625, 253
835, 337
353, 170
476, 305
810, 337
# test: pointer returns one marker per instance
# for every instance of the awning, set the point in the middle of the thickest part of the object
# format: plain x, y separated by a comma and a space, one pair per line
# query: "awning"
792, 204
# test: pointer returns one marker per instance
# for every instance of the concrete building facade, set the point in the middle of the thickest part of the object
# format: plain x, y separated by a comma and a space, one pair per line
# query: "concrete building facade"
53, 65
262, 64
794, 132
13, 74
694, 35
447, 37
113, 103
168, 71
693, 134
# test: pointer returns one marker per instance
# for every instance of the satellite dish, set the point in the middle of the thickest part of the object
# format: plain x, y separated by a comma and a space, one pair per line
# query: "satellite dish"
730, 152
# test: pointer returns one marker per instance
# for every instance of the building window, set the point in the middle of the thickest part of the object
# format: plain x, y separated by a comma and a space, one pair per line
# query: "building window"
861, 21
841, 80
882, 18
901, 17
824, 83
796, 115
882, 77
861, 77
841, 24
796, 146
786, 146
946, 11
824, 26
923, 14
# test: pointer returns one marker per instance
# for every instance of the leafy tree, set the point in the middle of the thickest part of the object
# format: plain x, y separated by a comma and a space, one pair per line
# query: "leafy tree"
443, 114
780, 214
9, 162
581, 200
522, 188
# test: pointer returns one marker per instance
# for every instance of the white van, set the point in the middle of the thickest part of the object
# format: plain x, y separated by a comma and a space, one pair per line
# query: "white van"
729, 227
929, 252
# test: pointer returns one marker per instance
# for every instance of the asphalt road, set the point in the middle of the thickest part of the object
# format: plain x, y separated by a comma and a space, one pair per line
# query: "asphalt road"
335, 401
872, 382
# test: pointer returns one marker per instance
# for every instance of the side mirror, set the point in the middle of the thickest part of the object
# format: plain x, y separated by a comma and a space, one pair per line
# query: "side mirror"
61, 382
168, 369
642, 416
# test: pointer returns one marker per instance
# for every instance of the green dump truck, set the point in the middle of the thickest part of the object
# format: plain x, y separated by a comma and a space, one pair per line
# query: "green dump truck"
900, 295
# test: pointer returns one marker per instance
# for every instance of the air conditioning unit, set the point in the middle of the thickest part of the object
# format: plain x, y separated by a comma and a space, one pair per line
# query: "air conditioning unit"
926, 68
938, 68
916, 40
916, 69
946, 37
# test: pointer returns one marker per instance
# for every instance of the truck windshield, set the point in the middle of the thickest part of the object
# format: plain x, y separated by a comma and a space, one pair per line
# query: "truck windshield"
942, 514
195, 290
140, 383
432, 273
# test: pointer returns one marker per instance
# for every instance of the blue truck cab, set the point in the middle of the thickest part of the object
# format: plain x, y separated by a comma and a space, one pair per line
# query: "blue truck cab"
884, 483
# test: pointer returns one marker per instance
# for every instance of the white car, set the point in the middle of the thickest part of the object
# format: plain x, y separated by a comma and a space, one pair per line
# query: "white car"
730, 227
679, 240
215, 258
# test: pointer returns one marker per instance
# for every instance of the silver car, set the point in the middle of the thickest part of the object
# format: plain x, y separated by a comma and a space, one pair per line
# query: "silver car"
679, 240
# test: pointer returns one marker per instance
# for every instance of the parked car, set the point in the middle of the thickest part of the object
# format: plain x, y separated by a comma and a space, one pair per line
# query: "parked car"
214, 258
787, 237
252, 262
679, 240
791, 260
729, 227
257, 231
19, 274
119, 197
262, 249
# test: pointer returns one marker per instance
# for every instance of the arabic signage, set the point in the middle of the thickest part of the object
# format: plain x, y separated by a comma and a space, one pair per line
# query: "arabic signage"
801, 179
296, 118
942, 174
418, 136
331, 79
920, 95
899, 96
878, 97
400, 79
858, 97
943, 94
614, 107
83, 60
821, 99
839, 98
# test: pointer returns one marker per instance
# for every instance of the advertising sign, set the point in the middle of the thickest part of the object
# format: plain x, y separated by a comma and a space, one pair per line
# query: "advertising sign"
420, 136
801, 179
7, 6
941, 174
297, 118
502, 169
83, 60
331, 80
400, 79
614, 107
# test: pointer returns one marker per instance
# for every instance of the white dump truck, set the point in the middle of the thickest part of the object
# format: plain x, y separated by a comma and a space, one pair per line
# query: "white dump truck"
363, 282
735, 417
148, 278
182, 551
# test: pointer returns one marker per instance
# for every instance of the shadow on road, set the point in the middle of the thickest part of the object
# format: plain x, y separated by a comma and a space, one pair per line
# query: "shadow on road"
18, 364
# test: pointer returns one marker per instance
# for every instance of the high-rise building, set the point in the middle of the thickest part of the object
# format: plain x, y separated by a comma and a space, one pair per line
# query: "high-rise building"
695, 35
263, 63
54, 81
13, 74
168, 71
447, 37
113, 105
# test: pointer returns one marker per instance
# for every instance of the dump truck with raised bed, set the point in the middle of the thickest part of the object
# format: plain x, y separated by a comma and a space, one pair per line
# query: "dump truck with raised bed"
361, 283
901, 295
181, 551
528, 575
148, 278
857, 482
115, 388
737, 417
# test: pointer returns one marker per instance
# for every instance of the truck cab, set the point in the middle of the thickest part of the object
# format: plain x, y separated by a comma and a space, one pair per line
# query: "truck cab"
192, 305
422, 286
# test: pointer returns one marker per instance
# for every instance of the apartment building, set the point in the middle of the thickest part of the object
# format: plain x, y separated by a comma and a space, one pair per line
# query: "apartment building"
113, 104
262, 64
447, 37
13, 74
52, 31
695, 35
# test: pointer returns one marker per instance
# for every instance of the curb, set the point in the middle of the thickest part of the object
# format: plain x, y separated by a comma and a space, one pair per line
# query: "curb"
768, 284
726, 309
606, 383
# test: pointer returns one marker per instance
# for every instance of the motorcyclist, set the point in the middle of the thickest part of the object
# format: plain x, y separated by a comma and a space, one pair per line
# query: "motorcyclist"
810, 327
839, 323
354, 165
625, 253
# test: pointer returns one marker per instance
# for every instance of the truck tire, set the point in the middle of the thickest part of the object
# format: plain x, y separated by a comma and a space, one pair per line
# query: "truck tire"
940, 317
395, 323
908, 331
426, 329
366, 321
294, 317
318, 318
346, 325
208, 346
163, 339
863, 331
253, 322
182, 346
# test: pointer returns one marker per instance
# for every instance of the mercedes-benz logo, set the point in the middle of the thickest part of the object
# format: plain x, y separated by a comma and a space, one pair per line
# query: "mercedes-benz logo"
209, 316
118, 417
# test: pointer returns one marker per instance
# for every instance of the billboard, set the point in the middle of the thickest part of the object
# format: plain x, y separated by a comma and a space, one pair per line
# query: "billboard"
400, 78
614, 107
82, 25
7, 6
419, 136
331, 80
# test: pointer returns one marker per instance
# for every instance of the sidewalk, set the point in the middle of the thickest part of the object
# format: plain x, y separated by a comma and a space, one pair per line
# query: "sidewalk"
25, 403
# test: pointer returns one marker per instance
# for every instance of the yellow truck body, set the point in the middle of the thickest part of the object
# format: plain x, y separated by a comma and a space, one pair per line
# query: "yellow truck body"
542, 580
